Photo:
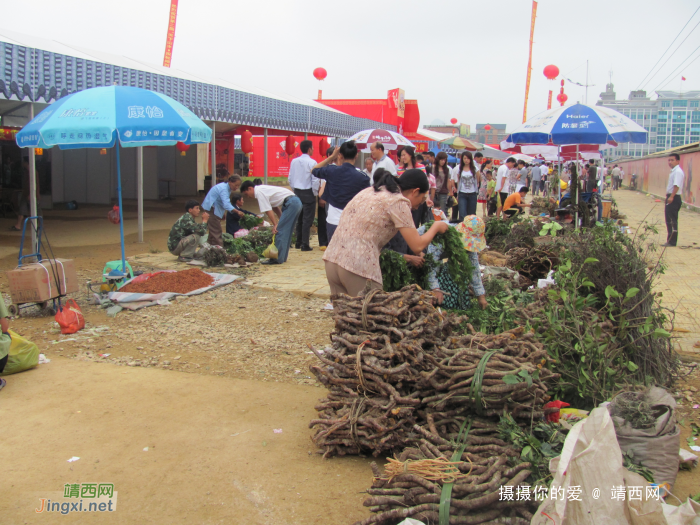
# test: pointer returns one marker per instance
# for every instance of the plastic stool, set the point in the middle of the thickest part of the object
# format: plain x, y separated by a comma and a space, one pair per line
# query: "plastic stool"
117, 265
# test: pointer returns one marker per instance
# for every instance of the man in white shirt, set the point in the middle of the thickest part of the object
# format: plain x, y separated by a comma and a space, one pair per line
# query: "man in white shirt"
287, 208
673, 198
502, 182
381, 160
302, 183
536, 175
617, 177
478, 160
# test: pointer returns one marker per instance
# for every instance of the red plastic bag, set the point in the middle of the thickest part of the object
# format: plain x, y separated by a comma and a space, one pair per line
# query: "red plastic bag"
70, 317
113, 215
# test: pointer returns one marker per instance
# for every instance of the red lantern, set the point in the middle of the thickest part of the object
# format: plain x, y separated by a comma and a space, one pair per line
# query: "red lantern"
323, 146
453, 120
289, 146
551, 72
182, 148
247, 142
320, 73
487, 127
562, 98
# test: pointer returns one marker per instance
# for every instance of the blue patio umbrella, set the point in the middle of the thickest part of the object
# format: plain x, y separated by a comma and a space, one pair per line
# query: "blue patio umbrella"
111, 116
450, 158
578, 124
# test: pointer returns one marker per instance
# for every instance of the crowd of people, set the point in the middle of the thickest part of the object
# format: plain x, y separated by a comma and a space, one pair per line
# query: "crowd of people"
385, 205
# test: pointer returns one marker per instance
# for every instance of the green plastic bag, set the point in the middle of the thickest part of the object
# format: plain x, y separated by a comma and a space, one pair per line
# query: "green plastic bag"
23, 355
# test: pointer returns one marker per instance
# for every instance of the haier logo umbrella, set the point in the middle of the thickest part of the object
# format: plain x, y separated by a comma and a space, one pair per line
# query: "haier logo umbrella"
578, 124
110, 116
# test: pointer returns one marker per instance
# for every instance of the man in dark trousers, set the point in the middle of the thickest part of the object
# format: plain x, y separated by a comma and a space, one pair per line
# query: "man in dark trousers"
301, 182
673, 198
592, 183
343, 182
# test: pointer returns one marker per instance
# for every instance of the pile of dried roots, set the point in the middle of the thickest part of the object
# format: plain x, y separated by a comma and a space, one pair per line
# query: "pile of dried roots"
533, 263
394, 363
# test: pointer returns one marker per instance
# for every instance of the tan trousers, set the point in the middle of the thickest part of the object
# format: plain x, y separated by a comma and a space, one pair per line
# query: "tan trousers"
187, 246
343, 281
215, 234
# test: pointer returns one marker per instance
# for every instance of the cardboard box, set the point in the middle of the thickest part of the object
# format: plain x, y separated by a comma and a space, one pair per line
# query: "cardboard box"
39, 282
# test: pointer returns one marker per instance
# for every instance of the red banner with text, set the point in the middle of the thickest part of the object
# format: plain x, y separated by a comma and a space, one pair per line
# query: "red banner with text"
278, 161
170, 39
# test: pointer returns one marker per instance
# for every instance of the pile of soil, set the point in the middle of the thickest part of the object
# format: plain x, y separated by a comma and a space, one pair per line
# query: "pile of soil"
184, 281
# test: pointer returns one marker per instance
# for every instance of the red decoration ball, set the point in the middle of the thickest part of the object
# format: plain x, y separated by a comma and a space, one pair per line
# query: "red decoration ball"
551, 72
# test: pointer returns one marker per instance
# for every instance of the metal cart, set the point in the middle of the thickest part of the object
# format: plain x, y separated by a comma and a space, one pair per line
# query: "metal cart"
49, 307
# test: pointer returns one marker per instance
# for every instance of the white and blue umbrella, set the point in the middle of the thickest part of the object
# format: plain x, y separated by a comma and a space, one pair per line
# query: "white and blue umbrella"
97, 117
578, 124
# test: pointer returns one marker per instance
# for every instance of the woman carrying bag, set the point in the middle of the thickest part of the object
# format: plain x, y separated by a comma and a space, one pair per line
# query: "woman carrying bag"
442, 181
467, 179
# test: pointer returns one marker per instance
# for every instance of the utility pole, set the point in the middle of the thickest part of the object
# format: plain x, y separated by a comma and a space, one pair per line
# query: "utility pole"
586, 82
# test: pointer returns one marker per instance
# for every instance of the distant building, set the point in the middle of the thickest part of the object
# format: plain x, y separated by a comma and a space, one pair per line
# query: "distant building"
462, 130
672, 119
495, 135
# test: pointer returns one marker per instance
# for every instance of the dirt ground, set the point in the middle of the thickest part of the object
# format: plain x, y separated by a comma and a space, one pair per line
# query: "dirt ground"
213, 453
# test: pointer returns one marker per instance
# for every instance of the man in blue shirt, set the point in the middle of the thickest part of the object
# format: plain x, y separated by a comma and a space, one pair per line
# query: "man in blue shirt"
343, 182
216, 203
301, 181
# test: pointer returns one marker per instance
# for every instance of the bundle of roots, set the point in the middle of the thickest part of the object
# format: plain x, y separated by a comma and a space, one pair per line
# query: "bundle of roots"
483, 476
395, 364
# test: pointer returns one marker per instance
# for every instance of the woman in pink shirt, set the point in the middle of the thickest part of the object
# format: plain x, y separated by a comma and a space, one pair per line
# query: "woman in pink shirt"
368, 222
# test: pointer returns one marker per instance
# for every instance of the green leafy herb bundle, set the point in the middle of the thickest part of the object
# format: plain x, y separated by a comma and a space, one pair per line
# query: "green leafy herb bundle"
544, 442
250, 221
459, 266
395, 272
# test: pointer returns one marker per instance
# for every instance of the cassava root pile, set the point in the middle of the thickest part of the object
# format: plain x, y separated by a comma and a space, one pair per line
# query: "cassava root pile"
412, 484
395, 365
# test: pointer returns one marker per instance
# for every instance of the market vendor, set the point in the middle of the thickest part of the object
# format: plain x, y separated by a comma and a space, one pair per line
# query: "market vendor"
218, 201
5, 339
233, 217
343, 181
515, 203
368, 222
448, 293
287, 208
186, 233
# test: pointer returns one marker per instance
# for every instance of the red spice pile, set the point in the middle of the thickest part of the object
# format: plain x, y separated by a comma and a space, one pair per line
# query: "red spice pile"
184, 281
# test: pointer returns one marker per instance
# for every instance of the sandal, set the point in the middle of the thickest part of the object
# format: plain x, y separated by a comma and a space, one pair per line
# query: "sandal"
15, 229
2, 383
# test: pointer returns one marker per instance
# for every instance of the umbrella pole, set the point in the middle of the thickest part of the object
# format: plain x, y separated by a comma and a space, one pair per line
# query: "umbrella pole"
577, 192
559, 159
121, 209
36, 248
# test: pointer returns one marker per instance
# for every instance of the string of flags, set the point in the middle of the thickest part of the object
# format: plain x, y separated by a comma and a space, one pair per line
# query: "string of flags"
578, 83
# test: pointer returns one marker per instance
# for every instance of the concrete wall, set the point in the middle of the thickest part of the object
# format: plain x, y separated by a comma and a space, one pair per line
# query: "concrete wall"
87, 177
652, 175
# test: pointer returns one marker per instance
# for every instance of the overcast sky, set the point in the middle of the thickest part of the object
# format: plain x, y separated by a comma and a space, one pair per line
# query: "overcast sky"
458, 58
